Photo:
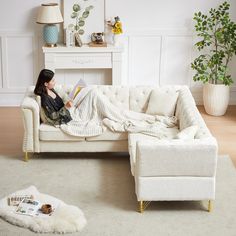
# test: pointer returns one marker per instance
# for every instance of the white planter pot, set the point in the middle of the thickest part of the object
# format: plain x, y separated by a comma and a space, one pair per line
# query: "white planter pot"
215, 98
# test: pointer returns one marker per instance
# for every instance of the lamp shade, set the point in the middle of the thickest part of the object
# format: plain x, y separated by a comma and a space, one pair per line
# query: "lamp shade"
49, 14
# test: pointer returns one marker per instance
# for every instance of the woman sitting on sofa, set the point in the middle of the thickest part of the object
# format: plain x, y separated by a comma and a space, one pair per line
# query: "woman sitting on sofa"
56, 112
95, 113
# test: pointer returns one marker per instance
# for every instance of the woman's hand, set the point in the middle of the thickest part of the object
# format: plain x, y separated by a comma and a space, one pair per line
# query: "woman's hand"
69, 104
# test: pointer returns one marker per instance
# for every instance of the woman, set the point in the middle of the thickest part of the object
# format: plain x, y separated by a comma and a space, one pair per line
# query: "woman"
95, 113
56, 112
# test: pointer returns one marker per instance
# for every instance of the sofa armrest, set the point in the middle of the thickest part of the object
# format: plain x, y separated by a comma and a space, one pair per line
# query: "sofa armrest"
31, 121
176, 157
188, 114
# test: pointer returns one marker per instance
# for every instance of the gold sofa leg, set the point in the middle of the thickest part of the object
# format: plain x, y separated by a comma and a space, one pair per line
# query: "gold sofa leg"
26, 157
210, 206
143, 205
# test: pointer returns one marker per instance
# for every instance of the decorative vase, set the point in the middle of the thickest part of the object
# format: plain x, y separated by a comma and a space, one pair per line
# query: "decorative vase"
108, 35
116, 39
216, 98
77, 39
50, 35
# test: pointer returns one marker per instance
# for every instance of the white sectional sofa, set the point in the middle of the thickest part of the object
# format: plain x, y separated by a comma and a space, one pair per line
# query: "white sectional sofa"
176, 169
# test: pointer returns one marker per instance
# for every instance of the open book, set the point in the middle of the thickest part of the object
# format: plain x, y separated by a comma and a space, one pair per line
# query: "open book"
79, 92
28, 207
77, 89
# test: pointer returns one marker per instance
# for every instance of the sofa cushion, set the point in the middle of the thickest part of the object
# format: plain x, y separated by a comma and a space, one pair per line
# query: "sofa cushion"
162, 102
133, 138
109, 136
176, 157
187, 133
132, 141
42, 113
51, 133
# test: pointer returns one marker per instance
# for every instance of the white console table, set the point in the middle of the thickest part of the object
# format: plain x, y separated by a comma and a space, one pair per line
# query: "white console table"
85, 57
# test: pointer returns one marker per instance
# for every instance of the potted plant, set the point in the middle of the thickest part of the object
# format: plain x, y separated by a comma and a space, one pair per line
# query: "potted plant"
218, 42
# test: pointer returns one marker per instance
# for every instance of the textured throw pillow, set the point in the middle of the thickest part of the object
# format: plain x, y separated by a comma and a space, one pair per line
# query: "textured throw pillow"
187, 133
162, 102
43, 116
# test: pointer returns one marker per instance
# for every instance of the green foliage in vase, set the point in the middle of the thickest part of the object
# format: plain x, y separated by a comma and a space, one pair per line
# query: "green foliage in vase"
218, 42
80, 16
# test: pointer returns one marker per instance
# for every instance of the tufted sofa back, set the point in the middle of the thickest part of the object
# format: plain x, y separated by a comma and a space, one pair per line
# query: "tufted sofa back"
117, 95
132, 98
140, 95
139, 98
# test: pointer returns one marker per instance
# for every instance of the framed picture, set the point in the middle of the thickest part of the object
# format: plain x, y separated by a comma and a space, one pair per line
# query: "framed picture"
84, 16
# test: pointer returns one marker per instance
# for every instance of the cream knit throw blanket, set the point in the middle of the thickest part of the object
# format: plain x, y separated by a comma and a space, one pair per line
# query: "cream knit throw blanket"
95, 114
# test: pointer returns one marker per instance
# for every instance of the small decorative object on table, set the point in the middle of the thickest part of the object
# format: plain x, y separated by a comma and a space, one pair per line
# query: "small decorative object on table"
46, 208
116, 30
78, 41
97, 40
70, 38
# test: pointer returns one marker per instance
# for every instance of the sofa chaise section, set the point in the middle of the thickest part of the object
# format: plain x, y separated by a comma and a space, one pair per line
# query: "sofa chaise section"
177, 169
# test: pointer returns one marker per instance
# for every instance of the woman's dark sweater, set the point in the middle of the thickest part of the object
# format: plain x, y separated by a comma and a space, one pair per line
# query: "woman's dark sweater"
54, 109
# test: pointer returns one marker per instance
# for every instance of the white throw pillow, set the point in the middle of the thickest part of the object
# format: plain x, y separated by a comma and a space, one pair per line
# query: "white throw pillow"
187, 133
162, 103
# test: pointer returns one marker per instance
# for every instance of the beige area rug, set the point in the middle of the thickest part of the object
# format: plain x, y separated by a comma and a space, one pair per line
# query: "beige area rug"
103, 187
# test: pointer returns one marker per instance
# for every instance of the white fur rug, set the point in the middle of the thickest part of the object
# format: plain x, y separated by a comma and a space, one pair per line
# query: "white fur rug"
65, 219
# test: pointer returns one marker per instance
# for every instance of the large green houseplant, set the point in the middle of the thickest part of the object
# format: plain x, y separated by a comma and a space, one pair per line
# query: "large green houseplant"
217, 34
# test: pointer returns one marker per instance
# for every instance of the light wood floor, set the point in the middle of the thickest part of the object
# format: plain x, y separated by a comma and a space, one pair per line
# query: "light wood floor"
223, 128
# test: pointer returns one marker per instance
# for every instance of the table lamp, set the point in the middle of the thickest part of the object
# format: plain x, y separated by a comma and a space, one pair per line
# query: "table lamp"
50, 15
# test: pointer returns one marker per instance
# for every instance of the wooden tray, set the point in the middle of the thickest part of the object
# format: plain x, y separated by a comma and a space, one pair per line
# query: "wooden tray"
92, 44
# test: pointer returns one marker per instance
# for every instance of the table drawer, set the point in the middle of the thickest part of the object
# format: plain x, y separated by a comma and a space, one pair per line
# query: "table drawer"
83, 60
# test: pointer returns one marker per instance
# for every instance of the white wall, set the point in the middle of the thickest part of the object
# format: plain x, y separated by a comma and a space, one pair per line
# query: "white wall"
20, 49
158, 43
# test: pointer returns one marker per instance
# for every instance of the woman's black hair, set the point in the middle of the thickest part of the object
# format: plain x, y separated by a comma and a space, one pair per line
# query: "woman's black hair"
45, 76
